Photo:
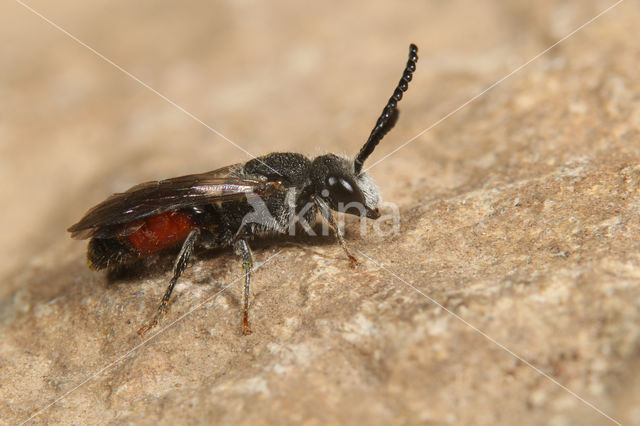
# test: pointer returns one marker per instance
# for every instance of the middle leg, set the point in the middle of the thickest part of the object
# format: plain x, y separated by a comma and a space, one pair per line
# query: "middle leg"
242, 248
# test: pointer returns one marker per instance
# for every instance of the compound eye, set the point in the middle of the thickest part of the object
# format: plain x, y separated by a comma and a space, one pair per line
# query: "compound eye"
341, 190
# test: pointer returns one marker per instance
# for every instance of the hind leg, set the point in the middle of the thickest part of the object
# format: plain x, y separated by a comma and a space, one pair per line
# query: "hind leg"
178, 268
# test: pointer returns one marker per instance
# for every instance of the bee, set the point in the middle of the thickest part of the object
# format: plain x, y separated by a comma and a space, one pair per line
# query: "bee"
231, 206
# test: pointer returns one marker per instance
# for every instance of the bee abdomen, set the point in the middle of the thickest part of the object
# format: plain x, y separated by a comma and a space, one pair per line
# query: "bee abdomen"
160, 231
149, 236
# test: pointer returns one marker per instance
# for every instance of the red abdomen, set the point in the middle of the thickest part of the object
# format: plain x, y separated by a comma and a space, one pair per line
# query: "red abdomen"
160, 232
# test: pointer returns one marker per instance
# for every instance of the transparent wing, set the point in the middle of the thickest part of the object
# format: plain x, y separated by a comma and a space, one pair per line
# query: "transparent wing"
152, 198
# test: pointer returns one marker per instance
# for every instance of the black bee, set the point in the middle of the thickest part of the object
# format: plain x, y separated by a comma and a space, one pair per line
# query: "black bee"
234, 204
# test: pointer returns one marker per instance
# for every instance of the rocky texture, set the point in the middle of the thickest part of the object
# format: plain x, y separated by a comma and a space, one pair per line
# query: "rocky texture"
519, 215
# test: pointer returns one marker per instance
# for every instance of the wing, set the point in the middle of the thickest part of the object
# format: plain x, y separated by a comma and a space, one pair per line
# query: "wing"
152, 198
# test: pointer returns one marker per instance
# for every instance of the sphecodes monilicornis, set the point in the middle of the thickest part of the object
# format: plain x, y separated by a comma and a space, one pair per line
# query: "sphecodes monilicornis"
230, 206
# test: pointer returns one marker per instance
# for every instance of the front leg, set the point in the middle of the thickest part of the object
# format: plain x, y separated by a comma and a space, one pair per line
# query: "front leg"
242, 248
326, 214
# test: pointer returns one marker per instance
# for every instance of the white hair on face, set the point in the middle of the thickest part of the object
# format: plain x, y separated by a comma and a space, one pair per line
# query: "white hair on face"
365, 183
369, 190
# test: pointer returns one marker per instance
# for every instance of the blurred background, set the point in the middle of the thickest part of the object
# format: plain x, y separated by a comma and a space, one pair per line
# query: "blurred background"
286, 76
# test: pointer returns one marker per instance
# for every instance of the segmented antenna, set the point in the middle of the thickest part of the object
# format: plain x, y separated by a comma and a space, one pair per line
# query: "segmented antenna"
389, 114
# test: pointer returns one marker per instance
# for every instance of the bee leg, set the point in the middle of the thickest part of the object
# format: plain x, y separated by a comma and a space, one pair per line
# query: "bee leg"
242, 248
178, 268
326, 214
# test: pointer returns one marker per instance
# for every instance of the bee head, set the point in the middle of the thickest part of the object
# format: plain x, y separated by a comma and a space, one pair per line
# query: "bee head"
340, 181
335, 181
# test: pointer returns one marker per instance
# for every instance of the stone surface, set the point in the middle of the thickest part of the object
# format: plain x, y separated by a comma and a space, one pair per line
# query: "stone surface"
518, 250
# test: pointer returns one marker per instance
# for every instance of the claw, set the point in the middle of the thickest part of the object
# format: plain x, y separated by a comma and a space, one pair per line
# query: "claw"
142, 330
246, 328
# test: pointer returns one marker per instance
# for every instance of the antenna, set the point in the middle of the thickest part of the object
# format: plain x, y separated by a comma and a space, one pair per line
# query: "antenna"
389, 115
